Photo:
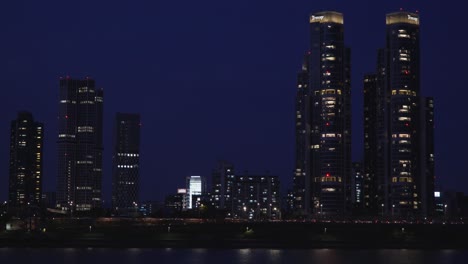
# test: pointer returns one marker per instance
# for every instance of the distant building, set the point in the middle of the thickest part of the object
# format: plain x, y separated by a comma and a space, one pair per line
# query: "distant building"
150, 208
302, 169
374, 141
288, 203
79, 145
49, 199
245, 196
195, 189
26, 144
223, 184
126, 163
175, 203
257, 197
451, 205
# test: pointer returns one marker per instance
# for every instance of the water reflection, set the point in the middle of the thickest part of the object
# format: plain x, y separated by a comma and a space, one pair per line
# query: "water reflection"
226, 256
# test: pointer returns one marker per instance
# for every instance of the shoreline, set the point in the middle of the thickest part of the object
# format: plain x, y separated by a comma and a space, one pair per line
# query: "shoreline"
244, 235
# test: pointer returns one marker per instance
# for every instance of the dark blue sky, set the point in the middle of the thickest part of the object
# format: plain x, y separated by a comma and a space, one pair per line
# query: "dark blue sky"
213, 79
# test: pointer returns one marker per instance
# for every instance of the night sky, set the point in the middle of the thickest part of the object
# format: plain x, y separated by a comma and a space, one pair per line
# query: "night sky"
213, 79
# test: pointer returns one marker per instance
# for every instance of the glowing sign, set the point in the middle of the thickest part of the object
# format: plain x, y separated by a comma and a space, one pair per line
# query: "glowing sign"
314, 18
437, 194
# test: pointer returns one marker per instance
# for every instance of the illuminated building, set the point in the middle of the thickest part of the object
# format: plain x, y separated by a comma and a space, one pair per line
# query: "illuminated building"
245, 196
26, 144
257, 197
194, 190
302, 140
375, 135
79, 143
357, 185
399, 123
126, 163
223, 184
323, 121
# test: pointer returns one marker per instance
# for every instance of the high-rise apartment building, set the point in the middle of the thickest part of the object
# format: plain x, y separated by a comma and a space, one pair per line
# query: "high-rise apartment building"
257, 197
26, 144
79, 175
323, 121
223, 186
399, 148
302, 169
245, 196
126, 163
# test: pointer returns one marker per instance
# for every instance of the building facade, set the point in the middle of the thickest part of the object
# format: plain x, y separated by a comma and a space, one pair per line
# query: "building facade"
323, 121
26, 144
302, 169
357, 183
79, 143
399, 123
126, 163
223, 187
257, 197
195, 188
253, 197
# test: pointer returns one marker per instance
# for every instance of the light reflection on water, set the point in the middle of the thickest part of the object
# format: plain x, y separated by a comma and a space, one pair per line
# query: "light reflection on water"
225, 256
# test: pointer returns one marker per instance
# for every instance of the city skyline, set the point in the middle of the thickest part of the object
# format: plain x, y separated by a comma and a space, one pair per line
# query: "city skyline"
247, 131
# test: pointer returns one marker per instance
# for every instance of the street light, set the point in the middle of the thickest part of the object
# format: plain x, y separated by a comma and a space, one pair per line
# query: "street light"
135, 205
382, 210
29, 214
445, 211
393, 209
321, 209
71, 208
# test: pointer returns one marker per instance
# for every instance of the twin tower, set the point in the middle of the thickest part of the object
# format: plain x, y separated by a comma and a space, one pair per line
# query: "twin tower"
398, 125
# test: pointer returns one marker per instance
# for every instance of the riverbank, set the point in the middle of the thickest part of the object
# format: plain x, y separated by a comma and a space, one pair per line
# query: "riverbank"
243, 235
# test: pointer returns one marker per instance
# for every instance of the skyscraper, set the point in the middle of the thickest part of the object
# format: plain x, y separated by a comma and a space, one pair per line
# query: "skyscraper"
323, 142
126, 163
302, 169
79, 175
399, 159
26, 144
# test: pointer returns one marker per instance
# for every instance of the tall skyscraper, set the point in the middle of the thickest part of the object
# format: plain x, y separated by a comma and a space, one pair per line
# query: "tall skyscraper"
302, 169
26, 144
323, 142
399, 159
79, 175
126, 163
